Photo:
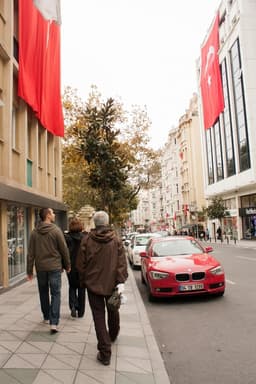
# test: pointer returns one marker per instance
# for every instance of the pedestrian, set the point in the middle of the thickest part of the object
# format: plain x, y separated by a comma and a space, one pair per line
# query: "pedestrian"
48, 251
102, 266
219, 233
207, 234
76, 294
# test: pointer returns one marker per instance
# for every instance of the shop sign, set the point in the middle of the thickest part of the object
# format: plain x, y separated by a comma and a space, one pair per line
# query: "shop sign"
232, 212
247, 211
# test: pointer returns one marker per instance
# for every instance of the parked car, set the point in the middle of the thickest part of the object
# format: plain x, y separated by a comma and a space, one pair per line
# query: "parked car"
138, 244
127, 241
178, 266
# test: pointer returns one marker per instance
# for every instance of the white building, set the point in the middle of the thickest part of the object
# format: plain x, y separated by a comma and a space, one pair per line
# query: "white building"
229, 145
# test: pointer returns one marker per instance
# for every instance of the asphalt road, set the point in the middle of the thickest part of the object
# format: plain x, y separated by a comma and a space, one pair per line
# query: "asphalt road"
210, 340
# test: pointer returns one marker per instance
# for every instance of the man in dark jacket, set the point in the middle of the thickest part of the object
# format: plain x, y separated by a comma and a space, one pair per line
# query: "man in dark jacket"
102, 266
48, 251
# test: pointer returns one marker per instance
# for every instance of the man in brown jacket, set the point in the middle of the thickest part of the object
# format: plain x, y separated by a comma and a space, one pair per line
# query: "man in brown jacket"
48, 251
102, 266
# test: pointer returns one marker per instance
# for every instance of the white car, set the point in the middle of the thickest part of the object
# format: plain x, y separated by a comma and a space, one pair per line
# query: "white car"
138, 244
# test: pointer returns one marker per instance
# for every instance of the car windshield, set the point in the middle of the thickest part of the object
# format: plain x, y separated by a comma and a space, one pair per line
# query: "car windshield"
142, 240
176, 247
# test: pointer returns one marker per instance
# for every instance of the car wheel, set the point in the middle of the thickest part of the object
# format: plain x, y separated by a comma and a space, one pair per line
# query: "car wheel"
142, 278
151, 298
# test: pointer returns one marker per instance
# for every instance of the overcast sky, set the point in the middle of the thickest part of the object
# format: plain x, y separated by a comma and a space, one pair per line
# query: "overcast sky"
142, 51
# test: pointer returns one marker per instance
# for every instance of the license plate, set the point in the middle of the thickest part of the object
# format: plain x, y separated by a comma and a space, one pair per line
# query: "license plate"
191, 287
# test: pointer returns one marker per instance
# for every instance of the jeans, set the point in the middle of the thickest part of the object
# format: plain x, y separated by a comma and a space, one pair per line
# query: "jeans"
104, 336
49, 286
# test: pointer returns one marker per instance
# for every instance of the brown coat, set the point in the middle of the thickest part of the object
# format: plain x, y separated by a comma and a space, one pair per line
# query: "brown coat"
101, 261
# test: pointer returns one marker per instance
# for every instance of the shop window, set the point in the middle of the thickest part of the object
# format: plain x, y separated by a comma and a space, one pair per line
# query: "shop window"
16, 241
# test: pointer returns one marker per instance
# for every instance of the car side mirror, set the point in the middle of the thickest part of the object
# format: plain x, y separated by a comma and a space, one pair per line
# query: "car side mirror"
208, 249
143, 254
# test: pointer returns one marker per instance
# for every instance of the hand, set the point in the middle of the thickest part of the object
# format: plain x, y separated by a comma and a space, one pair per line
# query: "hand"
68, 270
29, 277
120, 288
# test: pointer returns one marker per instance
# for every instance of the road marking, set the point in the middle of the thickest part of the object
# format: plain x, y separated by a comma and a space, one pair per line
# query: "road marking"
230, 282
246, 258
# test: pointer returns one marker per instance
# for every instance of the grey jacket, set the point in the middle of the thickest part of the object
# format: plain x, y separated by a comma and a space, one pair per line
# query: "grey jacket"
47, 249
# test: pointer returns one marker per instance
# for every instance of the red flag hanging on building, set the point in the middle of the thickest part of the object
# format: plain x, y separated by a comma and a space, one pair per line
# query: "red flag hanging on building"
210, 78
39, 61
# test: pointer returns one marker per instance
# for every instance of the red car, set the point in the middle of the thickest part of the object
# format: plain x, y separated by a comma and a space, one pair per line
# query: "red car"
173, 266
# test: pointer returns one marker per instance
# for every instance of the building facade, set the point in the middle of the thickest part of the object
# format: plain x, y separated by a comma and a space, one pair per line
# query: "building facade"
229, 145
30, 159
191, 167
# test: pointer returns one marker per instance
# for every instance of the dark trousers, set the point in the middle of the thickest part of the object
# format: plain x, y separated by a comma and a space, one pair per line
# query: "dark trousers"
77, 299
104, 336
49, 286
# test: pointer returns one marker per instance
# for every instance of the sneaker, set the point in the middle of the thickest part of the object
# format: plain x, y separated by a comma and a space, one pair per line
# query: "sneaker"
54, 329
102, 360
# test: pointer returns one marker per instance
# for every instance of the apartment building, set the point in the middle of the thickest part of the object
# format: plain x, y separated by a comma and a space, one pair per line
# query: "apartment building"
30, 159
229, 144
170, 180
190, 166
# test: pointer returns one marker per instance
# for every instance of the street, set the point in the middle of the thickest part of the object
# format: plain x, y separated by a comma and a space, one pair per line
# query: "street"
210, 340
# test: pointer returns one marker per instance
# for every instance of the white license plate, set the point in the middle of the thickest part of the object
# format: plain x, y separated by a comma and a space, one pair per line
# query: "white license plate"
191, 287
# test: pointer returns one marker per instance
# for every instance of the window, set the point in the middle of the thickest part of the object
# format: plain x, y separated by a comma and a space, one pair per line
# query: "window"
29, 134
209, 156
240, 112
41, 151
16, 239
218, 151
15, 31
15, 115
227, 125
1, 114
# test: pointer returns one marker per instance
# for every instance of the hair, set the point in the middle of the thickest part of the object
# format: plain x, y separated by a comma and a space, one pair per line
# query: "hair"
43, 213
75, 225
100, 218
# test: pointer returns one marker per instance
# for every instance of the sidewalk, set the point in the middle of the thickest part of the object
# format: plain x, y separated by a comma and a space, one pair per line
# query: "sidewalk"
238, 243
29, 354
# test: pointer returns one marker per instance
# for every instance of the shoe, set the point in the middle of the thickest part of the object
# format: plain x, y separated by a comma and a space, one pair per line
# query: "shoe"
54, 329
102, 360
73, 312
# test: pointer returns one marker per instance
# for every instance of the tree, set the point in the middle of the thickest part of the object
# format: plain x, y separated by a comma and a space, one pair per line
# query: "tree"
106, 158
217, 209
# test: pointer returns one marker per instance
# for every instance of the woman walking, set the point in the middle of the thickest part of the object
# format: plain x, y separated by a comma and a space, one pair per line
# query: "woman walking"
76, 293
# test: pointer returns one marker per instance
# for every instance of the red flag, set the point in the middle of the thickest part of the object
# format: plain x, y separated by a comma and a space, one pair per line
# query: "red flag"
210, 81
39, 63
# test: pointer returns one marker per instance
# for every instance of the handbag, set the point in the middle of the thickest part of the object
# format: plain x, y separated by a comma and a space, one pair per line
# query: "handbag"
114, 301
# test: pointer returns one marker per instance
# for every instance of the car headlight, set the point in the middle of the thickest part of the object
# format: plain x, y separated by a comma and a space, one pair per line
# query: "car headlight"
217, 270
158, 275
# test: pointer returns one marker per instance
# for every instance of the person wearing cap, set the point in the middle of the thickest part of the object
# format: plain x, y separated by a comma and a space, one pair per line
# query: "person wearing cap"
102, 267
